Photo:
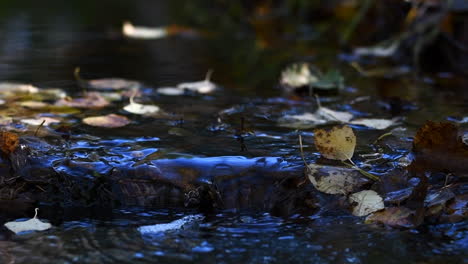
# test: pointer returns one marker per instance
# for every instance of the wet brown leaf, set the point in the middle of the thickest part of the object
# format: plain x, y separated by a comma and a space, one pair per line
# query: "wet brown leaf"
439, 147
8, 142
393, 216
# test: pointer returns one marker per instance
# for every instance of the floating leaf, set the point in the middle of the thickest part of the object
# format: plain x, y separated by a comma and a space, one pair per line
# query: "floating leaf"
45, 121
322, 116
170, 91
140, 109
202, 87
113, 84
366, 202
334, 180
33, 104
297, 75
10, 87
393, 216
374, 123
138, 32
90, 100
32, 224
336, 144
108, 121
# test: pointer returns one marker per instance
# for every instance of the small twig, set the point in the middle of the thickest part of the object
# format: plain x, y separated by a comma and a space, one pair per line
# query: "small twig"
302, 153
381, 137
363, 172
39, 127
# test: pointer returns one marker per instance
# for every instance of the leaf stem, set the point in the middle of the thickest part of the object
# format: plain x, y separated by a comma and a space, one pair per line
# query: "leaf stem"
363, 172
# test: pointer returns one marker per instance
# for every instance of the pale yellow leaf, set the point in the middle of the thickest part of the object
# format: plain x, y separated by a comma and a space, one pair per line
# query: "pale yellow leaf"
366, 202
108, 121
139, 32
336, 144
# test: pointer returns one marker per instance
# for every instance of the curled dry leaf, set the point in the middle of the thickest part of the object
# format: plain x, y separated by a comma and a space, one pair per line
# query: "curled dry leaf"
366, 202
334, 180
138, 32
108, 121
32, 224
8, 142
439, 147
91, 100
336, 144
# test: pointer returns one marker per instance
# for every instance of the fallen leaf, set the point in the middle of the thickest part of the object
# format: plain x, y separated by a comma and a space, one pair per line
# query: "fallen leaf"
108, 121
297, 75
374, 123
113, 84
140, 109
170, 91
202, 87
33, 104
322, 116
336, 144
334, 180
139, 32
8, 142
332, 115
303, 121
366, 202
439, 147
45, 121
10, 87
90, 100
32, 224
393, 216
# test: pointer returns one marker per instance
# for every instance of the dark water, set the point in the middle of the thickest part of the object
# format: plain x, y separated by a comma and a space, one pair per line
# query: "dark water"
41, 43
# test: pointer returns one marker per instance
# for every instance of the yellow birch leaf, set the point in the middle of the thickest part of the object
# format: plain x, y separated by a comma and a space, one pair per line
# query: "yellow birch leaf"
336, 144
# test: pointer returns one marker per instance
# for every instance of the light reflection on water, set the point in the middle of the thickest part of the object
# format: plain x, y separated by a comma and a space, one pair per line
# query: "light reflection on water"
231, 238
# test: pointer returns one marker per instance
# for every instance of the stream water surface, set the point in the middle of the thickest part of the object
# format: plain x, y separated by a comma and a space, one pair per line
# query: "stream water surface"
231, 130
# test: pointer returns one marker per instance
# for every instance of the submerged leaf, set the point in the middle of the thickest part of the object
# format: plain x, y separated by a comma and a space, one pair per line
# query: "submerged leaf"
393, 216
336, 144
334, 180
139, 32
108, 121
32, 224
367, 202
